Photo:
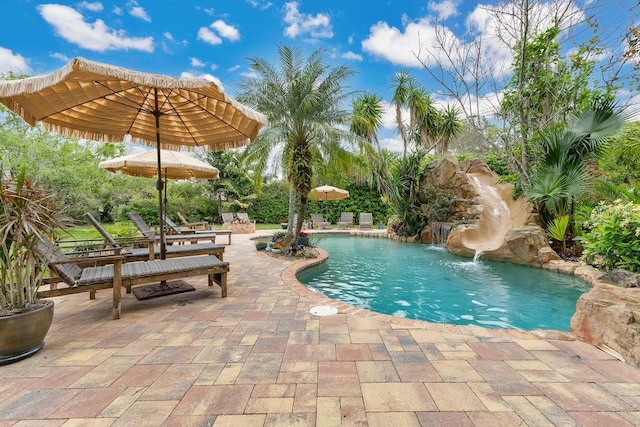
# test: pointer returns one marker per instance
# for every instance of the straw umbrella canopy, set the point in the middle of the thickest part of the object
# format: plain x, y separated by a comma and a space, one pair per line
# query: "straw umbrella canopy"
90, 100
327, 193
174, 165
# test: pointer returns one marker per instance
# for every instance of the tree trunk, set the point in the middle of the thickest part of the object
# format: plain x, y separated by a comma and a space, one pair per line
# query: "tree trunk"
292, 210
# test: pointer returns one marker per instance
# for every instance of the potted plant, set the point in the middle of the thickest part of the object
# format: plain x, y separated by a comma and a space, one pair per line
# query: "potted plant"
26, 215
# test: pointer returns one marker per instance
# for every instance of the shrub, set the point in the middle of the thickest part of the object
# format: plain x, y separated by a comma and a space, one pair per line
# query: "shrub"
613, 237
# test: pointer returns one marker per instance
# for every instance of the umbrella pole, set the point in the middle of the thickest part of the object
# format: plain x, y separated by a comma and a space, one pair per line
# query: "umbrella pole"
159, 183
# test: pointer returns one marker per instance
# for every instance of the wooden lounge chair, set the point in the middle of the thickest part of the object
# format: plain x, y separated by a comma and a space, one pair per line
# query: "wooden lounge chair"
319, 222
346, 220
366, 220
174, 238
200, 225
117, 274
244, 218
227, 218
153, 251
174, 229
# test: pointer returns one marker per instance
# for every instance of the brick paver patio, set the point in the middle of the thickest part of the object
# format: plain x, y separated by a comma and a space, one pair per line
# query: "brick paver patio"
258, 358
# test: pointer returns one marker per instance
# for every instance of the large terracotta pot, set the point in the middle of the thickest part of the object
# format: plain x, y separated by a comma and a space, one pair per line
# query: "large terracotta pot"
22, 335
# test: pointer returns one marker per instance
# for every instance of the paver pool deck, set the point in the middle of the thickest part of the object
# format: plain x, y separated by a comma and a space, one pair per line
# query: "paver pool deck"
259, 358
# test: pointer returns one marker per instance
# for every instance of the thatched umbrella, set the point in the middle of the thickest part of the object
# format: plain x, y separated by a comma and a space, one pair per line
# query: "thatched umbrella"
328, 192
174, 165
90, 100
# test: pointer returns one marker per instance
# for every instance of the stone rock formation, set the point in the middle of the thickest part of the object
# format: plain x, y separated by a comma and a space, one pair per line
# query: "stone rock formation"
609, 316
490, 220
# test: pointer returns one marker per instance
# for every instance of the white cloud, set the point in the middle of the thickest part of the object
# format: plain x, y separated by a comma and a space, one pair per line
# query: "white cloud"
445, 9
117, 11
317, 26
225, 30
13, 62
167, 35
352, 56
208, 36
350, 40
220, 29
234, 68
420, 36
138, 11
71, 26
93, 7
397, 46
210, 77
214, 67
195, 62
260, 4
60, 56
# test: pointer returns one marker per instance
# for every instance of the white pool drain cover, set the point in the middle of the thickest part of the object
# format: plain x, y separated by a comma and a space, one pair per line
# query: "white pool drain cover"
323, 310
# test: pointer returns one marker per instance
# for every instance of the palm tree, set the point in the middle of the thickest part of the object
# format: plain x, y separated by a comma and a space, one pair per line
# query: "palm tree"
400, 97
302, 100
449, 126
366, 120
366, 117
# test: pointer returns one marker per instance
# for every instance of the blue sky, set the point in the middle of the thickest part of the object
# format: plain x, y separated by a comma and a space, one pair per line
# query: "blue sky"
214, 38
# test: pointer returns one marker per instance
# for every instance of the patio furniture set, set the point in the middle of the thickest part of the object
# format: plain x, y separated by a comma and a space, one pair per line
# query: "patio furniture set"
114, 266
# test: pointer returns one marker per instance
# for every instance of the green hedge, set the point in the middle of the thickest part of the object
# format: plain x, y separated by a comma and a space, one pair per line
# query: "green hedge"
272, 206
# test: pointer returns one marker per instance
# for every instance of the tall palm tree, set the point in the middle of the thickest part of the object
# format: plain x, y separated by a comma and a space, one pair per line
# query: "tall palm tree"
303, 100
366, 120
402, 83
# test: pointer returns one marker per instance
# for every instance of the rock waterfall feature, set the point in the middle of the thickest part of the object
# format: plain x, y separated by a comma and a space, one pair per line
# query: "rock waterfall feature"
489, 219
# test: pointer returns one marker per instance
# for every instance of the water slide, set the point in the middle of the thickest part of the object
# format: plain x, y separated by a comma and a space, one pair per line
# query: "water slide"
499, 214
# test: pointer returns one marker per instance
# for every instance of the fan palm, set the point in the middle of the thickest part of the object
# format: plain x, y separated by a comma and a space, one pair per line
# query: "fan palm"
302, 99
562, 174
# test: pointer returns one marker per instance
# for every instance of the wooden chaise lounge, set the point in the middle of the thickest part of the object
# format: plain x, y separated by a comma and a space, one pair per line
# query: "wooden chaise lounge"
117, 274
153, 251
366, 220
200, 225
346, 220
175, 238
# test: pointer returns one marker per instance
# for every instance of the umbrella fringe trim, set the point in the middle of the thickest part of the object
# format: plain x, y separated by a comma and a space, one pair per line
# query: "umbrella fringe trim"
36, 83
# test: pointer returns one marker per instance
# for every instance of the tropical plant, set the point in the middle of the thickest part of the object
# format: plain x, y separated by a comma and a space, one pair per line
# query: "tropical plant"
562, 174
612, 237
302, 99
557, 230
28, 214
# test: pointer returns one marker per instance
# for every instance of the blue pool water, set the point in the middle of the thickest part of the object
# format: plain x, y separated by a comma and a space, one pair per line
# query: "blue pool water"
426, 282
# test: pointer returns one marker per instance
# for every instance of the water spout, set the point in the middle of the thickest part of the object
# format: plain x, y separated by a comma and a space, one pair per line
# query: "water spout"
477, 256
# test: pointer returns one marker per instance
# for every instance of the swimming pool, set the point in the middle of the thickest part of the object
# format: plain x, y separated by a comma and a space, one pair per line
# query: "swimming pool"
428, 283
